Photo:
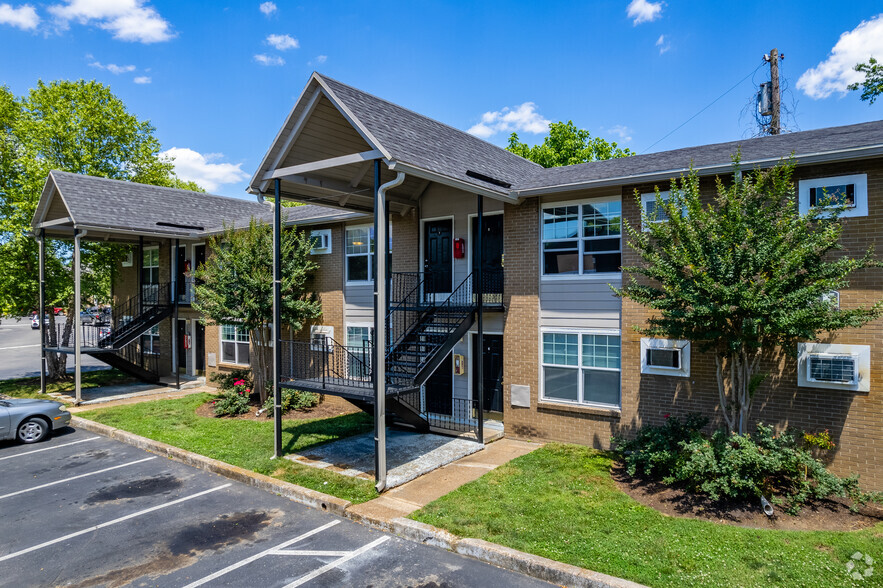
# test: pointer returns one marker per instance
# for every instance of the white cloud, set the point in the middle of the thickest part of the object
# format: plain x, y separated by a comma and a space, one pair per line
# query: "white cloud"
24, 17
644, 11
193, 166
128, 20
523, 118
836, 72
322, 59
143, 80
623, 132
283, 42
269, 59
267, 8
113, 68
662, 44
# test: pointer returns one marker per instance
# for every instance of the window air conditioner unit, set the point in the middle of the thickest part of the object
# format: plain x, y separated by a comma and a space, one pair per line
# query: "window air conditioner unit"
832, 368
321, 241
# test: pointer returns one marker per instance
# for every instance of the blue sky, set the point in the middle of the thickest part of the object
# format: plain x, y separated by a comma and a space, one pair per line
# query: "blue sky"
217, 79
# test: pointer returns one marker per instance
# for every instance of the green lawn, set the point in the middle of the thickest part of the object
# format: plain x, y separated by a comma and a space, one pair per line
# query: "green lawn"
30, 387
247, 444
560, 502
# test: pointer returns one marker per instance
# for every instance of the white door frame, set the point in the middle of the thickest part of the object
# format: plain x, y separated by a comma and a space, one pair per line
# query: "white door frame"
438, 295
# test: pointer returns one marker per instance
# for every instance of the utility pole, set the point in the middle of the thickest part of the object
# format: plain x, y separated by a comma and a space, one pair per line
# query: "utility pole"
775, 119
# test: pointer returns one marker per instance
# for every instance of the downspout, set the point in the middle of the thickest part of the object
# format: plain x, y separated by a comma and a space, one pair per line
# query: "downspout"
381, 299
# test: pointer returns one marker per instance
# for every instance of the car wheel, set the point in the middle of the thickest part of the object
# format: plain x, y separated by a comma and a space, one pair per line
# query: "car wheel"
33, 430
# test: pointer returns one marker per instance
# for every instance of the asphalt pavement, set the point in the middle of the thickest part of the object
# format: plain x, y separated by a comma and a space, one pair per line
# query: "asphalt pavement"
83, 510
20, 350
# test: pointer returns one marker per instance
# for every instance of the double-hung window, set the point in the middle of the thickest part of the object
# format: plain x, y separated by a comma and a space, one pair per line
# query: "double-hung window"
150, 340
150, 275
358, 346
582, 239
359, 254
582, 368
234, 345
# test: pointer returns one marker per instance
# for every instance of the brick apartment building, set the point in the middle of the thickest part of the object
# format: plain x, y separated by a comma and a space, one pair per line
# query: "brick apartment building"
557, 353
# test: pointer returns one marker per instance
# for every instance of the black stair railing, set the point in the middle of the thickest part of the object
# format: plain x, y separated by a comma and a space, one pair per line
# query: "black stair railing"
137, 314
326, 365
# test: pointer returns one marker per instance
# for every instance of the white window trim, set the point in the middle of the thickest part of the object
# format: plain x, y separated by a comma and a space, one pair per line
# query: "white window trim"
579, 367
682, 345
370, 255
369, 326
651, 197
863, 365
153, 333
598, 276
221, 342
861, 193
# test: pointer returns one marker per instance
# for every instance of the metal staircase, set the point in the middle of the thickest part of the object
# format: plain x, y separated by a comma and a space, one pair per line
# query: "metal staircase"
422, 331
117, 341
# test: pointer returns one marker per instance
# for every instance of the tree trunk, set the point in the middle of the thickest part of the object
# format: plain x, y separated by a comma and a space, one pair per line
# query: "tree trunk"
736, 391
56, 363
261, 362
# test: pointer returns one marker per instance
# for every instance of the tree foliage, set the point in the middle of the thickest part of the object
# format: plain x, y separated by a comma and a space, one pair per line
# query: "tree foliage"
566, 144
235, 286
872, 86
742, 276
75, 126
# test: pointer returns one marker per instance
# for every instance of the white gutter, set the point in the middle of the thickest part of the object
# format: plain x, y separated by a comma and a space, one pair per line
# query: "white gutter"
381, 298
804, 159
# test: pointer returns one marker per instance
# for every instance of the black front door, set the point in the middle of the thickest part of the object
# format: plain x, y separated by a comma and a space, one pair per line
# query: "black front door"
492, 257
199, 342
492, 356
439, 388
182, 353
437, 253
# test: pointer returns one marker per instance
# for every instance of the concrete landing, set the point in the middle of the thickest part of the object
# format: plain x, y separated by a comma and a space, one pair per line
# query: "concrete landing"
405, 499
409, 455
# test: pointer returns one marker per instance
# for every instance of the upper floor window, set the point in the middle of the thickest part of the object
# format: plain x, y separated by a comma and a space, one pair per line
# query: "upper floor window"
850, 192
359, 254
150, 266
582, 239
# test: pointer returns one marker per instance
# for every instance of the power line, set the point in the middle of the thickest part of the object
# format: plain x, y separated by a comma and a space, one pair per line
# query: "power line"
736, 85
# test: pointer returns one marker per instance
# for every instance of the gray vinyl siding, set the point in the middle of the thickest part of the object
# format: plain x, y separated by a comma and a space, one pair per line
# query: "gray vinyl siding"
585, 304
359, 303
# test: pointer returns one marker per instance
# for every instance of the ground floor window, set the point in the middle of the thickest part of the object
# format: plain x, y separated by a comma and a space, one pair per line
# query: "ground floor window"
150, 340
583, 368
234, 345
358, 346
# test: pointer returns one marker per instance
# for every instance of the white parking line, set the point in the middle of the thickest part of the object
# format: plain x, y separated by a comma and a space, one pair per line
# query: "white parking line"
327, 567
258, 556
75, 478
113, 522
19, 347
48, 448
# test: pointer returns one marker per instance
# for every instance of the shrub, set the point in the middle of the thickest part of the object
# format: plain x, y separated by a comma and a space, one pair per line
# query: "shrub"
233, 402
734, 466
226, 380
292, 400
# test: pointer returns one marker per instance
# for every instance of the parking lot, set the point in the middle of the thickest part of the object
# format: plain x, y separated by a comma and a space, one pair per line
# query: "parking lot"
84, 510
20, 350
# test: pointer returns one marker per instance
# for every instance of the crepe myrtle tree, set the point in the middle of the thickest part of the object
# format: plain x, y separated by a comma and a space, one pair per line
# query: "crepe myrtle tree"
742, 276
235, 286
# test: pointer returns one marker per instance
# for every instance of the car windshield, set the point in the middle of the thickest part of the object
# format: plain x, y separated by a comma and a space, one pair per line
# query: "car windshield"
4, 403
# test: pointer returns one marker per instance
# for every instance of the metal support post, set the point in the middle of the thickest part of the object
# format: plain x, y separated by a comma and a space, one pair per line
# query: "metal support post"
174, 294
478, 276
78, 330
381, 249
277, 316
41, 312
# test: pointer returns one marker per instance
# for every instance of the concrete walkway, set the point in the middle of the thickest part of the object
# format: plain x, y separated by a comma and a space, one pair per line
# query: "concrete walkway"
413, 495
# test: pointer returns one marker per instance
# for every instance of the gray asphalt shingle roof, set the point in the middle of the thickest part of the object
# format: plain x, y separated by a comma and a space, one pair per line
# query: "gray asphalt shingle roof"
428, 144
761, 148
117, 204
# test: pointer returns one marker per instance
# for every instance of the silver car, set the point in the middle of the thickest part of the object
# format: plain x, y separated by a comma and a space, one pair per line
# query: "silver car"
29, 420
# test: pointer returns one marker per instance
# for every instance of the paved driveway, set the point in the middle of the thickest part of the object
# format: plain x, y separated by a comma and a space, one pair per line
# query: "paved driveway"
20, 350
84, 510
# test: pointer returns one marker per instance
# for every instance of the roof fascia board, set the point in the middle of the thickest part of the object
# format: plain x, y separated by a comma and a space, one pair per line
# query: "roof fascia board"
323, 164
803, 159
352, 119
398, 166
138, 233
325, 220
52, 223
292, 136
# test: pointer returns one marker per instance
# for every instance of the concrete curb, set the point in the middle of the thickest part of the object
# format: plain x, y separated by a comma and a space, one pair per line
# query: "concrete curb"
507, 558
312, 498
497, 555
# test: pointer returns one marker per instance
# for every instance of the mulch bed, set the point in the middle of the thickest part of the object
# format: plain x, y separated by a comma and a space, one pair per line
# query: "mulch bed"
823, 515
330, 406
